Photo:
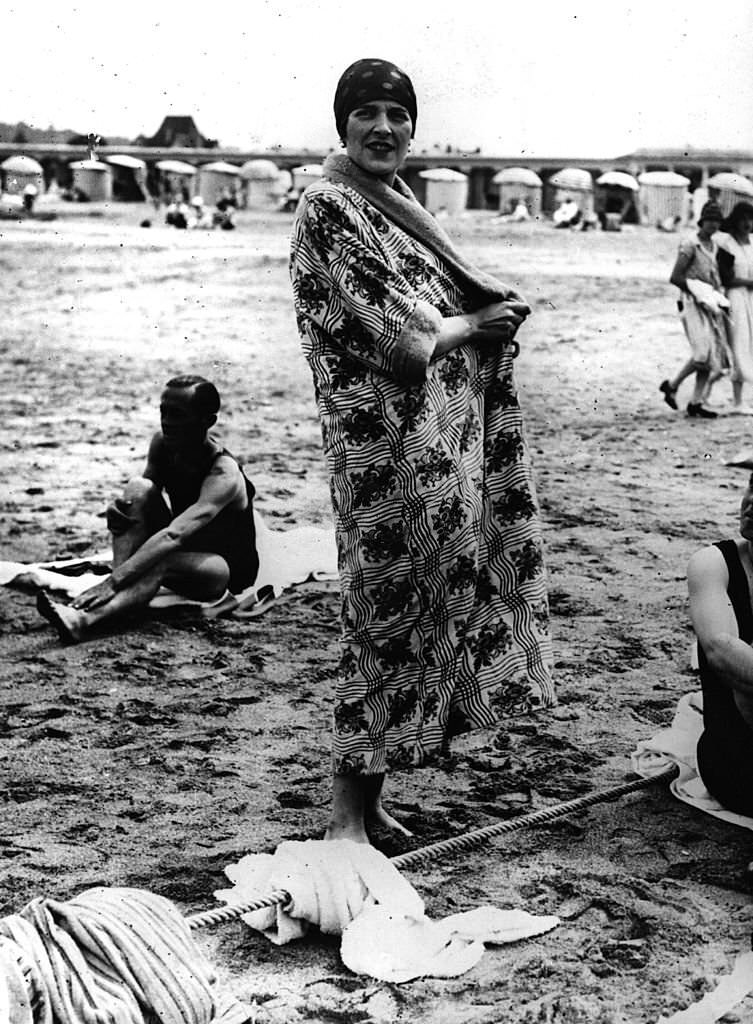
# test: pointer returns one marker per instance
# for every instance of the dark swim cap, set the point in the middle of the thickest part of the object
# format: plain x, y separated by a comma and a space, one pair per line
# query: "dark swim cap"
372, 79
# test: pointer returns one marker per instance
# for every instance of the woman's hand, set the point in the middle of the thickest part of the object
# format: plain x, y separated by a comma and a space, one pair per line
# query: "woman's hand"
497, 322
500, 320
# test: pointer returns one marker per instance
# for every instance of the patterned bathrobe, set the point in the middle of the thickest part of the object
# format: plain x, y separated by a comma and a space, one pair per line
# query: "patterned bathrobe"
444, 609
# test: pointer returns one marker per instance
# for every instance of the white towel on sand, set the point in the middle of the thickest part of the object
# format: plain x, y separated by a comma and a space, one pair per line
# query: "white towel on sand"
677, 745
286, 557
353, 890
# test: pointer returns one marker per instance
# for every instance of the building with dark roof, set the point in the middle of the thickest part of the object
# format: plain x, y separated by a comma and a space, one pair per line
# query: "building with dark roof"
177, 132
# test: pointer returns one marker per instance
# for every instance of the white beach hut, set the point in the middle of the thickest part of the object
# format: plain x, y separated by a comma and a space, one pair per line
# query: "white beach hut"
129, 176
20, 171
92, 179
663, 197
446, 190
306, 175
576, 184
176, 175
518, 184
218, 179
260, 179
728, 188
616, 192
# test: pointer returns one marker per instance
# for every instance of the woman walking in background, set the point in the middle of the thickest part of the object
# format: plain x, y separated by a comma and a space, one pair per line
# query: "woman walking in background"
696, 274
444, 611
735, 259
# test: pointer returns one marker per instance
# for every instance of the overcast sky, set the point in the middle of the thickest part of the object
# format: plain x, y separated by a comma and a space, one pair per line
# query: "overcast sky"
548, 77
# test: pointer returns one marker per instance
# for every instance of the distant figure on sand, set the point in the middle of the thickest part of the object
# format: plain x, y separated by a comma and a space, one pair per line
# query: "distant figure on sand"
735, 259
702, 309
720, 608
444, 607
201, 546
567, 214
30, 193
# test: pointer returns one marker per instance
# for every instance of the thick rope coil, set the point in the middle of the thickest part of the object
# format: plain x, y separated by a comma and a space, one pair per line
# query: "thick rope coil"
445, 846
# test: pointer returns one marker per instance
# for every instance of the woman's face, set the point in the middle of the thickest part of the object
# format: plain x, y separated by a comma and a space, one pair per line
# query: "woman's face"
708, 227
377, 137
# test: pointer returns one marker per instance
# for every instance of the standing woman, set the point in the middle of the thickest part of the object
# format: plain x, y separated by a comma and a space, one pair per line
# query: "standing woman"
444, 606
735, 258
704, 324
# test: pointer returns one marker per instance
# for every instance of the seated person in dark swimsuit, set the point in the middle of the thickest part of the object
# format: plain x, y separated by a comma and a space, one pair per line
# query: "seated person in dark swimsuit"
200, 546
720, 581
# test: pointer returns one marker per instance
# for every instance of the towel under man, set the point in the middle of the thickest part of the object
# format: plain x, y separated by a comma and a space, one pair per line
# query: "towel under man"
200, 546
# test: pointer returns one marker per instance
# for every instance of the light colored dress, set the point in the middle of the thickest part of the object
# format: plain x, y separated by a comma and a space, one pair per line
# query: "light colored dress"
704, 329
741, 308
444, 608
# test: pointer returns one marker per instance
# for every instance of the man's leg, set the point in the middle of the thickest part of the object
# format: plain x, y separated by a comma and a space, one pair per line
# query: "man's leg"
197, 575
140, 512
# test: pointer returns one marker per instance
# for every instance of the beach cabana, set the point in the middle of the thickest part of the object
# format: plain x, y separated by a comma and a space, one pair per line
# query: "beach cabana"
217, 180
663, 198
92, 180
20, 171
306, 175
446, 190
260, 179
128, 177
615, 198
175, 176
728, 188
518, 184
573, 183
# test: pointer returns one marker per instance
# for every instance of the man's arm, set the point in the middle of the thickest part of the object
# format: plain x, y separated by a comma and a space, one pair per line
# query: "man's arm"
223, 485
152, 469
714, 620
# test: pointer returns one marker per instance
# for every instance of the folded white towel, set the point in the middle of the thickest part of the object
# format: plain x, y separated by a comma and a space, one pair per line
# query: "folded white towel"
707, 295
353, 890
677, 745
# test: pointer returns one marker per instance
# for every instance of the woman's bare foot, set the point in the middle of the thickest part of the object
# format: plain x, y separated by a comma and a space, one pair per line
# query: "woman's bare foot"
68, 622
378, 816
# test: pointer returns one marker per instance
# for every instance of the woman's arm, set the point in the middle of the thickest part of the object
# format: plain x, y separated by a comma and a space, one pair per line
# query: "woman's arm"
679, 275
342, 284
496, 322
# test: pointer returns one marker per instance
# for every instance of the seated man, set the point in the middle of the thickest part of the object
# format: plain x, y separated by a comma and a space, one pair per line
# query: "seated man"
719, 581
201, 546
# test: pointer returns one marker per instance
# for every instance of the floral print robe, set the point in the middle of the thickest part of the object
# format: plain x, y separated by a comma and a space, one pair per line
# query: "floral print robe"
444, 609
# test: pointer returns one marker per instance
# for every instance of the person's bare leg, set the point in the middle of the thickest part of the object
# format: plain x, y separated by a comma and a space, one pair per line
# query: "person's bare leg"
142, 503
357, 803
711, 379
347, 816
685, 371
196, 575
73, 623
701, 387
375, 813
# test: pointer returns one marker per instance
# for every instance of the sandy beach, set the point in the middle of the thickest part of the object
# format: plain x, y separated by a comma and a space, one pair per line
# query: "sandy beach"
159, 753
